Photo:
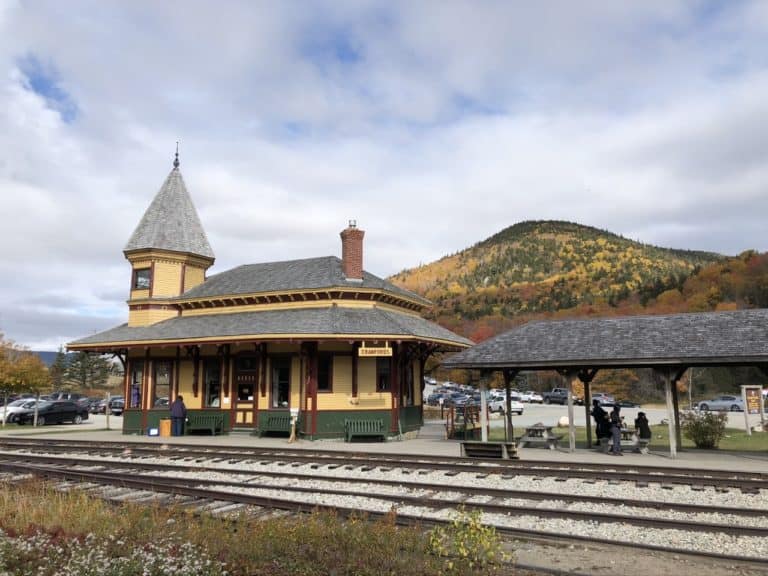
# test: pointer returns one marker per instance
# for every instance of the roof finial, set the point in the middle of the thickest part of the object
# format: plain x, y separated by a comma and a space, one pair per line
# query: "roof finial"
176, 161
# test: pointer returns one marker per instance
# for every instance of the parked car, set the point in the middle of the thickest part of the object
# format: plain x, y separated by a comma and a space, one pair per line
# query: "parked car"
98, 407
722, 402
117, 405
14, 408
627, 404
500, 405
53, 412
534, 397
560, 396
603, 398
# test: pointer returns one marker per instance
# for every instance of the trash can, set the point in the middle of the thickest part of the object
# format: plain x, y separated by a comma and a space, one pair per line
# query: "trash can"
165, 426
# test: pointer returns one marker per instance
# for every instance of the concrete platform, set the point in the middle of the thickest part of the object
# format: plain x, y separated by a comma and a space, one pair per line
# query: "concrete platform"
430, 441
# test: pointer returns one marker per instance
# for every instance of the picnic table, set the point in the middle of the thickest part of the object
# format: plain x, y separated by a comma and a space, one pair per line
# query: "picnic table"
539, 434
629, 439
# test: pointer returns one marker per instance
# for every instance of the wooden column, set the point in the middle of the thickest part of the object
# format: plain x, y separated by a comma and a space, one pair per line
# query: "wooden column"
667, 375
676, 408
586, 376
571, 376
176, 375
509, 431
394, 388
484, 406
355, 359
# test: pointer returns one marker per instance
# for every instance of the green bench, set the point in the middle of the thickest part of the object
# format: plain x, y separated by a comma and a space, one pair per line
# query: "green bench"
280, 422
212, 422
364, 428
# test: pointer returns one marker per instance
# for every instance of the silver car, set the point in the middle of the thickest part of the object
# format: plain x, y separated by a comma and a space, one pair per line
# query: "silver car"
722, 402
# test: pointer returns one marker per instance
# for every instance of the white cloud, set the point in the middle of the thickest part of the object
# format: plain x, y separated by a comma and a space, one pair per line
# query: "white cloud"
434, 124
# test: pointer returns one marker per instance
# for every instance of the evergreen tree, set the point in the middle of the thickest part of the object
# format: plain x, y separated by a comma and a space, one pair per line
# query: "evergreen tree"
87, 371
58, 370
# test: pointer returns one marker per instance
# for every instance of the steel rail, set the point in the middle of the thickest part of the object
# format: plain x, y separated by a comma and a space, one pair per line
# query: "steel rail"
151, 484
413, 484
746, 481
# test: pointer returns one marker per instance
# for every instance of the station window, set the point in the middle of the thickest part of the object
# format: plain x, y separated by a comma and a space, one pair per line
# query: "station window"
163, 370
142, 279
212, 383
408, 386
383, 374
325, 373
135, 383
281, 382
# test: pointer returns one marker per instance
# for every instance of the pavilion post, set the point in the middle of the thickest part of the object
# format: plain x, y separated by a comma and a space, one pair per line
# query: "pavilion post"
571, 377
676, 407
667, 373
483, 406
587, 415
509, 375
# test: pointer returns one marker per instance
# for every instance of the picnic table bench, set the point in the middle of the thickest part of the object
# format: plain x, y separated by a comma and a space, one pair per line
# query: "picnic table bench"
474, 449
364, 427
200, 421
539, 434
629, 439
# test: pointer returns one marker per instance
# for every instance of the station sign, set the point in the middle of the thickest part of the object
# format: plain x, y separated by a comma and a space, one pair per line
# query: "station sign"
378, 351
754, 400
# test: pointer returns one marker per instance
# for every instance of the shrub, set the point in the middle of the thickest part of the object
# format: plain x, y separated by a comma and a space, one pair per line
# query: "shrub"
468, 546
706, 429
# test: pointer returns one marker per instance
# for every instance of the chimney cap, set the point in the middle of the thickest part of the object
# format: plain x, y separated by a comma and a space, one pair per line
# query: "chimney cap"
353, 223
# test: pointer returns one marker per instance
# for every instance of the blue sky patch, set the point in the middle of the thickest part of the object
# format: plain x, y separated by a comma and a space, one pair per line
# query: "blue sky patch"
43, 79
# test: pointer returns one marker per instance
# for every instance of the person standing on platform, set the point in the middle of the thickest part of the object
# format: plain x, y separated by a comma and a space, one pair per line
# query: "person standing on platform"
602, 424
616, 430
642, 427
178, 415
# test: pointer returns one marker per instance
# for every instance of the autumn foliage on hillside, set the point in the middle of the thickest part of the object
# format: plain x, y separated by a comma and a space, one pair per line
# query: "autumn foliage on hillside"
560, 269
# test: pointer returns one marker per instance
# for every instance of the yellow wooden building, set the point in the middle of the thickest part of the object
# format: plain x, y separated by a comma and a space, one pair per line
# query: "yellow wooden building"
251, 346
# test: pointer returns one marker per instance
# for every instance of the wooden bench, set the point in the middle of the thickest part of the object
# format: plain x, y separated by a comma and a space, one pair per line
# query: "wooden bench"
504, 450
364, 428
212, 422
278, 422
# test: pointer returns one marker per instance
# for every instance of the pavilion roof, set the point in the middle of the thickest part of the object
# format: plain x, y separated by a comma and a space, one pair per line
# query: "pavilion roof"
707, 338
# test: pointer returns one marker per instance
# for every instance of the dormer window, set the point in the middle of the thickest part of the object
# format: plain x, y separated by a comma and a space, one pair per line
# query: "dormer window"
142, 279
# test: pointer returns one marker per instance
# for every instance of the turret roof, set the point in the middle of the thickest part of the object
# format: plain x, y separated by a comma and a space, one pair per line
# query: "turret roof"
171, 221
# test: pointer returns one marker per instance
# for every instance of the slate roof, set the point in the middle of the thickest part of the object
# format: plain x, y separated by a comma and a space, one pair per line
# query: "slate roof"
326, 321
308, 274
720, 338
171, 221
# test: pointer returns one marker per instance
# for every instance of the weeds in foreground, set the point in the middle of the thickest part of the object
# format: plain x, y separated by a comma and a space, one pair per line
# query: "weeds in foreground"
47, 533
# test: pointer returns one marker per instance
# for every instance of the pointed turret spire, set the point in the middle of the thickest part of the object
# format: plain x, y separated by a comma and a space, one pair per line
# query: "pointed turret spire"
176, 161
171, 221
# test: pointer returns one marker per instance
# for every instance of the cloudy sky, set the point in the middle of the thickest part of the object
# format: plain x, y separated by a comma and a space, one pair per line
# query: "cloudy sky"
433, 124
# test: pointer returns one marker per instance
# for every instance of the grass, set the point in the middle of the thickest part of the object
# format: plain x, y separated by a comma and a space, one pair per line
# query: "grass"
735, 440
50, 533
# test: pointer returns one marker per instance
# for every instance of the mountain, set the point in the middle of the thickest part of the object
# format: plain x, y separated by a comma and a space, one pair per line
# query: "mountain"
538, 268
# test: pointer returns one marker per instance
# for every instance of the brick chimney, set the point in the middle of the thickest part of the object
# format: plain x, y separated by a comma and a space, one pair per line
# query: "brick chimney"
352, 251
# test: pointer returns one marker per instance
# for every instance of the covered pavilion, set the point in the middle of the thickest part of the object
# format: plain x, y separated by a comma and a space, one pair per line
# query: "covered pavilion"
577, 349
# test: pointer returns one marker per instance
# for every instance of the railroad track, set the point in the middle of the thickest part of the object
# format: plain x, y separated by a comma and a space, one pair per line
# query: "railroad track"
719, 479
259, 478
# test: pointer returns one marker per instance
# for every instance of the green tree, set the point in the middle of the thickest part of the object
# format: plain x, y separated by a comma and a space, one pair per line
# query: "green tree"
87, 371
20, 370
58, 370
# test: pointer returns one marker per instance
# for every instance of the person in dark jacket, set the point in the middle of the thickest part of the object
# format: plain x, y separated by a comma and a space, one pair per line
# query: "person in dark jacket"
616, 431
642, 427
178, 415
602, 426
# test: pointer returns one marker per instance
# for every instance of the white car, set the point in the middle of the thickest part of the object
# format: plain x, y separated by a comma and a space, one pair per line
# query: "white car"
500, 405
534, 397
14, 407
